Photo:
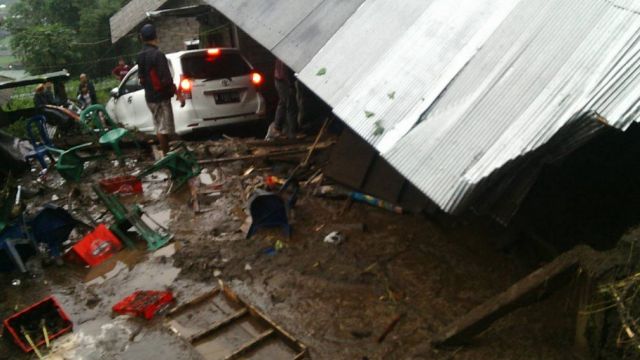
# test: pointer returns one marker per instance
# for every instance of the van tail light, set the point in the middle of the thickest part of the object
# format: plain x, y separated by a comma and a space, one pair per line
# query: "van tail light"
256, 78
185, 87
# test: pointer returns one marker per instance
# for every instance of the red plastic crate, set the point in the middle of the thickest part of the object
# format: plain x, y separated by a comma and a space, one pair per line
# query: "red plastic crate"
125, 185
30, 318
97, 246
144, 304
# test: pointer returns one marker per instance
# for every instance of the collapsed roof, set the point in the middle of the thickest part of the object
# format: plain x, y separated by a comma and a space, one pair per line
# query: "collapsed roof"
451, 94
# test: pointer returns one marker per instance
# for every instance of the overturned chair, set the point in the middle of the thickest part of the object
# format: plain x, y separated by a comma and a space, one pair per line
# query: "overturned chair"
41, 141
70, 164
181, 163
125, 218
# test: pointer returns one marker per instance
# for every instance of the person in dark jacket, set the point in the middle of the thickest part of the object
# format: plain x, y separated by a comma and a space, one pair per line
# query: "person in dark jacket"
155, 78
85, 82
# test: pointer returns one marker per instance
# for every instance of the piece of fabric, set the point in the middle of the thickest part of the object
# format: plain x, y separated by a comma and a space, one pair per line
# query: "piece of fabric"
155, 76
162, 117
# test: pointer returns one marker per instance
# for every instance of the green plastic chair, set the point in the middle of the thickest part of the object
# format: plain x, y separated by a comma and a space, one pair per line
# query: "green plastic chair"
70, 164
92, 116
182, 164
125, 218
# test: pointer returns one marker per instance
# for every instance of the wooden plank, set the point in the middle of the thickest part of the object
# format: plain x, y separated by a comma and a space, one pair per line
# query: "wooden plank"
195, 301
219, 325
250, 344
539, 281
257, 314
586, 289
273, 154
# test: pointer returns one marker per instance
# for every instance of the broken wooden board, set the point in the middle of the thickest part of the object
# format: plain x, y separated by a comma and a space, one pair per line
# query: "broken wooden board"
220, 326
269, 154
535, 285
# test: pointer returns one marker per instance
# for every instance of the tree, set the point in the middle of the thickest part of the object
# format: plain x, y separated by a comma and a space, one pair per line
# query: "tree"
49, 35
45, 48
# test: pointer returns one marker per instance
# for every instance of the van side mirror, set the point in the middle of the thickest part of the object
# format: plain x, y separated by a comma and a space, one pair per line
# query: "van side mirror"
115, 93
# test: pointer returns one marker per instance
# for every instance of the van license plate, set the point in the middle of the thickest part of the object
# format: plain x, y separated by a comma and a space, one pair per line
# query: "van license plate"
227, 97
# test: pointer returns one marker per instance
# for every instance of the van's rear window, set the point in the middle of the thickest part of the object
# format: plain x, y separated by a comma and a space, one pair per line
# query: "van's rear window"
221, 66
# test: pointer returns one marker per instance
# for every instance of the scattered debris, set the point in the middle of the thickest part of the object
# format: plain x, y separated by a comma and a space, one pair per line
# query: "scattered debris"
321, 72
335, 238
368, 199
249, 171
389, 328
369, 114
378, 128
145, 304
391, 95
123, 185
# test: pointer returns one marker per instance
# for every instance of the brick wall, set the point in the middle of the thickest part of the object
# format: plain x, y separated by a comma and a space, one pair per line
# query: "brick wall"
173, 32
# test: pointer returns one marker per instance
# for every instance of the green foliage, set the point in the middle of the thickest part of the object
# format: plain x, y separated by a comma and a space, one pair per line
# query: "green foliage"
44, 48
49, 35
378, 129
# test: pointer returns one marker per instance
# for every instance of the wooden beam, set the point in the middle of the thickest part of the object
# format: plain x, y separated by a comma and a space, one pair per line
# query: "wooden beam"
250, 344
233, 317
272, 154
537, 283
180, 308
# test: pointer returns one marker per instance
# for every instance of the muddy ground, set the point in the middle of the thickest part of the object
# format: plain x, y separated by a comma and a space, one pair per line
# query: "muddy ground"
335, 298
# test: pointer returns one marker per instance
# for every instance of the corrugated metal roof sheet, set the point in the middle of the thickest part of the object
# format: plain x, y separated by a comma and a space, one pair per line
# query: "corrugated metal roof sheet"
293, 30
130, 16
461, 89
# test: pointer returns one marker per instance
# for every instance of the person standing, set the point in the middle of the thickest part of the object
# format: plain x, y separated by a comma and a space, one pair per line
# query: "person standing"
286, 112
155, 78
121, 70
84, 99
40, 98
85, 82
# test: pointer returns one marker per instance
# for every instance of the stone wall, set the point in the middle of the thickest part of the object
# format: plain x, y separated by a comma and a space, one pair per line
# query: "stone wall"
173, 32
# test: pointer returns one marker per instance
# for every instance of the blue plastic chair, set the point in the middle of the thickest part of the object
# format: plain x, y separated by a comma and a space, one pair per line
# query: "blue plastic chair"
50, 226
41, 142
11, 238
269, 210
